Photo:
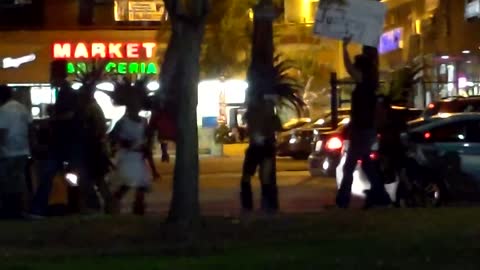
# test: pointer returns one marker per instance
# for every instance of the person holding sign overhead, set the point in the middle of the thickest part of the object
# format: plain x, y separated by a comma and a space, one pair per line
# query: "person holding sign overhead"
362, 135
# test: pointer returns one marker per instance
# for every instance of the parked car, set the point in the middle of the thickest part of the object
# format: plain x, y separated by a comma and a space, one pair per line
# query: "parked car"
328, 146
327, 151
298, 142
453, 105
447, 137
430, 142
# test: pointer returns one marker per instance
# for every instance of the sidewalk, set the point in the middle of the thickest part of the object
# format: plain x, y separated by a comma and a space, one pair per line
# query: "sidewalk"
219, 194
229, 150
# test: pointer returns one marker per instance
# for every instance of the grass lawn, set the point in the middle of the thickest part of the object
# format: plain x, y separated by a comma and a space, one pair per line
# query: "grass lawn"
379, 239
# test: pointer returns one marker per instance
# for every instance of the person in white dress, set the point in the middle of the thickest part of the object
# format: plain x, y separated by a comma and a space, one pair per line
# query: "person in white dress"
130, 134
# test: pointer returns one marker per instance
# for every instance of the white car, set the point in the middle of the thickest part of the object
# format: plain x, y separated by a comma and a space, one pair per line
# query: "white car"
457, 134
360, 180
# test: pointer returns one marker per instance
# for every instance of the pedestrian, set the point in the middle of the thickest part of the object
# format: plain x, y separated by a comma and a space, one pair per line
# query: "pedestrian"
96, 158
62, 145
159, 123
15, 141
362, 130
131, 134
262, 124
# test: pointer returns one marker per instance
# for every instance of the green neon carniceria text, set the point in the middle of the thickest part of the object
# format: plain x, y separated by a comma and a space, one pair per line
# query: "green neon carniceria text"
118, 68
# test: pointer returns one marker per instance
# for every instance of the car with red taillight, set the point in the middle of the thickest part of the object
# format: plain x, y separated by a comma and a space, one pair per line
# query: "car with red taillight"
297, 142
327, 151
452, 105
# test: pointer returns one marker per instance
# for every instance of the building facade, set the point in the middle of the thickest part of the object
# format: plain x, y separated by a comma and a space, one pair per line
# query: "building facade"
439, 40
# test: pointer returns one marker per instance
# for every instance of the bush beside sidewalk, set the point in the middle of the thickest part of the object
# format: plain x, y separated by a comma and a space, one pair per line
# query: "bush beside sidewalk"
338, 239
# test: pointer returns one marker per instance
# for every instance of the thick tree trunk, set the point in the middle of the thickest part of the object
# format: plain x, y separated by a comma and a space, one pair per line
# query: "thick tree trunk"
183, 83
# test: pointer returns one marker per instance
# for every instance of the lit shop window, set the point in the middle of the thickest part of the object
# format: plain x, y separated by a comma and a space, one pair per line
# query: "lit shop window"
140, 10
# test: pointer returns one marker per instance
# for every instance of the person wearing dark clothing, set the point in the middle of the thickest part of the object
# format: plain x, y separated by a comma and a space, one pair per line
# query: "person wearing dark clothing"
260, 154
62, 146
95, 161
362, 129
164, 150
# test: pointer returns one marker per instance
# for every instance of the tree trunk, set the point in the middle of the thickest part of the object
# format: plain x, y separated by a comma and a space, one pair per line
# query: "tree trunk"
182, 83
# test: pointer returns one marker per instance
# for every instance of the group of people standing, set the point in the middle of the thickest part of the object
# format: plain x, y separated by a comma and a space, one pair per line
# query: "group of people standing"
363, 128
77, 139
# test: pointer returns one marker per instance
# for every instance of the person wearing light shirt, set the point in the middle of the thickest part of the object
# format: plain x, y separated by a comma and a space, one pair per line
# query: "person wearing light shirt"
15, 139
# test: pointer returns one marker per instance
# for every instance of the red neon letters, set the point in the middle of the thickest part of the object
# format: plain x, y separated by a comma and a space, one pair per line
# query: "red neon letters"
110, 50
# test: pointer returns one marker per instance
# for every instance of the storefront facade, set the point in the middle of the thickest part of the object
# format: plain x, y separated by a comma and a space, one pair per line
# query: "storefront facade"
125, 53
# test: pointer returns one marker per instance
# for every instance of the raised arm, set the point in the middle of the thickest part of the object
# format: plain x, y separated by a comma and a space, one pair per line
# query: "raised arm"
351, 69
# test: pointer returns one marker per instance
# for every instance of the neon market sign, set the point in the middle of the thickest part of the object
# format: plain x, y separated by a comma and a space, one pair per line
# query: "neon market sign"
124, 57
117, 67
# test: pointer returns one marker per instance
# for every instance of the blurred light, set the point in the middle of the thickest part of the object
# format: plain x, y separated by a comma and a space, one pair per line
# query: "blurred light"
465, 51
418, 26
469, 62
445, 57
461, 137
318, 146
111, 112
35, 111
427, 135
292, 140
462, 82
444, 115
345, 121
326, 165
17, 62
250, 14
72, 179
76, 85
153, 86
106, 86
431, 106
320, 122
334, 143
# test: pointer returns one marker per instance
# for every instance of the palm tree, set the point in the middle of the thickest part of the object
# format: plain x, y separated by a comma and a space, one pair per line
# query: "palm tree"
287, 87
269, 87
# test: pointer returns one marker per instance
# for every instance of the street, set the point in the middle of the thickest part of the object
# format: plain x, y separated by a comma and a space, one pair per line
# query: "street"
219, 187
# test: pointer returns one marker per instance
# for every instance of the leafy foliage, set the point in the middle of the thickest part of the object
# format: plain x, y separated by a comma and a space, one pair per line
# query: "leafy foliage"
91, 75
287, 87
128, 90
227, 46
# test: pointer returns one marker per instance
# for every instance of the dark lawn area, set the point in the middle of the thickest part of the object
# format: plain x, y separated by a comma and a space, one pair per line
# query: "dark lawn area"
446, 238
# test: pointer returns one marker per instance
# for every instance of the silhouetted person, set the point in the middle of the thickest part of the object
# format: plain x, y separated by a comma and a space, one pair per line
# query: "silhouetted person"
15, 139
362, 129
63, 146
262, 123
94, 159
